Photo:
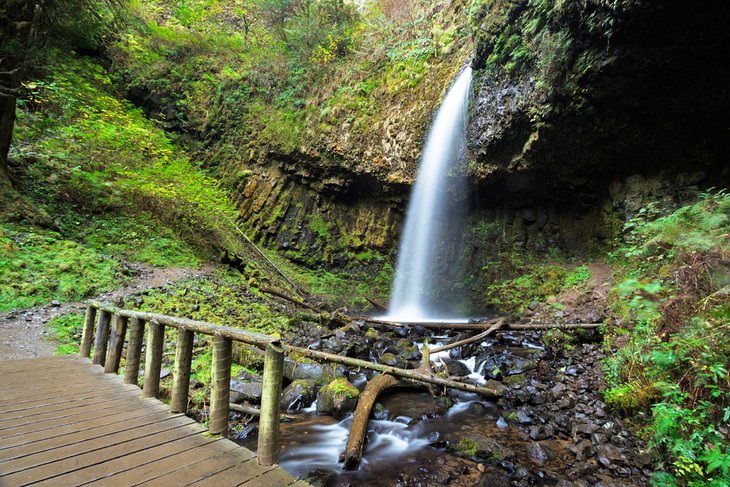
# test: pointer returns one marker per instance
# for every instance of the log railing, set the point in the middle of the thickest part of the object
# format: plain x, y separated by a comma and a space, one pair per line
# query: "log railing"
106, 327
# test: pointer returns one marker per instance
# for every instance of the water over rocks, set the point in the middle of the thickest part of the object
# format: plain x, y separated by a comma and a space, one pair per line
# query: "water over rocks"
550, 427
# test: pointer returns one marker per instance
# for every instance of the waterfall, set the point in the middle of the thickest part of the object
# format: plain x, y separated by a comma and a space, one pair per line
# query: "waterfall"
430, 213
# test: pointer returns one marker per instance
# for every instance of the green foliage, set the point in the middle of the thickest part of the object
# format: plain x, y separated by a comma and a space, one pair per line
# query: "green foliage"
320, 227
468, 447
536, 283
98, 154
579, 277
138, 239
66, 331
37, 266
339, 288
671, 314
221, 298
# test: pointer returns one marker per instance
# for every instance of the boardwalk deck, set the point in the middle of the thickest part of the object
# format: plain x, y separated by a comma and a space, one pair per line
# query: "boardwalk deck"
64, 422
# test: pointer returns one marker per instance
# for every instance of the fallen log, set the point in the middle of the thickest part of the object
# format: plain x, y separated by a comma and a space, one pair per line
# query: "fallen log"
358, 430
252, 411
413, 375
376, 304
479, 326
467, 341
291, 299
553, 326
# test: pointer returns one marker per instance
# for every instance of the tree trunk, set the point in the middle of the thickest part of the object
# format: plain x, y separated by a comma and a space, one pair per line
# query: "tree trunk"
7, 122
358, 431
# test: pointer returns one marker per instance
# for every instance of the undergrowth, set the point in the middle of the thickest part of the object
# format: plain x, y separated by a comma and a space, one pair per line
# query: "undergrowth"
535, 282
669, 336
38, 266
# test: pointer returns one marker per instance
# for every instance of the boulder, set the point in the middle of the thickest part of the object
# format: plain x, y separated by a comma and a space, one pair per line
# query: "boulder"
539, 453
337, 398
245, 391
298, 394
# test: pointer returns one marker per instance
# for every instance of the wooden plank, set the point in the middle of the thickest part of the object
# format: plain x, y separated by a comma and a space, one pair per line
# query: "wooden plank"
53, 390
275, 476
32, 474
22, 417
243, 473
66, 423
131, 463
70, 450
52, 419
89, 422
12, 367
106, 431
163, 466
201, 470
31, 384
69, 378
61, 403
26, 364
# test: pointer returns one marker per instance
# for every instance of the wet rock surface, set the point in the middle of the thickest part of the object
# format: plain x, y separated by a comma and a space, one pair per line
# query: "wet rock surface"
550, 427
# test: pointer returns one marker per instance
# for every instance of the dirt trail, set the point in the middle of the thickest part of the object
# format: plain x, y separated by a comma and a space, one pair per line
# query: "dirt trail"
23, 333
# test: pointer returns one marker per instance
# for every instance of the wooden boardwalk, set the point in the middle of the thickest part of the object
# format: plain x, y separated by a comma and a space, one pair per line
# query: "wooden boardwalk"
64, 422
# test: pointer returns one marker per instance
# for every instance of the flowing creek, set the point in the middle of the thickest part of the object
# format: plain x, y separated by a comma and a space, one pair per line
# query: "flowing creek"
412, 438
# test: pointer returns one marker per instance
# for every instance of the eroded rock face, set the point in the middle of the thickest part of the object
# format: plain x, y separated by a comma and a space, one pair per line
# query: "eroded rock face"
586, 94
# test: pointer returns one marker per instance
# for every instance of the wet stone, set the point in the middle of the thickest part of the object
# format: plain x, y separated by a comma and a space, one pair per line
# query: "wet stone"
298, 394
539, 453
456, 368
522, 416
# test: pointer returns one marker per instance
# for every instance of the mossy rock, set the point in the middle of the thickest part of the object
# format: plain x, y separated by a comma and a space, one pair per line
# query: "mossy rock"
483, 448
337, 398
393, 360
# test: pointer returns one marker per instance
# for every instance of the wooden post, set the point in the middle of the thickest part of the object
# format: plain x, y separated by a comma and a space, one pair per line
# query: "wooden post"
134, 351
102, 337
88, 334
269, 444
119, 330
153, 359
220, 378
181, 376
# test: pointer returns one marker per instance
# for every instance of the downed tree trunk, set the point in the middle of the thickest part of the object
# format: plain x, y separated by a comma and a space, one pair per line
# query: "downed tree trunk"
358, 431
376, 304
480, 326
416, 375
285, 297
252, 411
469, 340
554, 326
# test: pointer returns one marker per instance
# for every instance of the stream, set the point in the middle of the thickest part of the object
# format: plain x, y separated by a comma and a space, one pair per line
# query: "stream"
417, 439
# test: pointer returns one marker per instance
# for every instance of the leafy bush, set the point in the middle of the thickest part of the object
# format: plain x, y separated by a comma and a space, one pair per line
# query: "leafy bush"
671, 315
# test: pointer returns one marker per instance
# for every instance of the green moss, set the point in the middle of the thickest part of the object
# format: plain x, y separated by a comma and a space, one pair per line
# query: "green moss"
37, 266
341, 388
468, 447
319, 226
66, 332
537, 283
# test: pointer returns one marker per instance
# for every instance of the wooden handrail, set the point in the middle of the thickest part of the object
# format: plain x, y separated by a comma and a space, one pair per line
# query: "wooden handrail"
108, 339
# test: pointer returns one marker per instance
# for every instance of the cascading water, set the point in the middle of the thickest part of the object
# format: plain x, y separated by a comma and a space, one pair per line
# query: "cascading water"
430, 212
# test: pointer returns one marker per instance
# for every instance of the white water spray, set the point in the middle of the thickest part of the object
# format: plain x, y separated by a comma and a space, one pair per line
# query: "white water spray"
415, 278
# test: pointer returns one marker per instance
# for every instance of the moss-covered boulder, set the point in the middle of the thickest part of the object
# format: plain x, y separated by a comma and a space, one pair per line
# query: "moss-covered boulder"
337, 398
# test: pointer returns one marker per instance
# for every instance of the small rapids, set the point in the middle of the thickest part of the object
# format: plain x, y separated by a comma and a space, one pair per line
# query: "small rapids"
321, 447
